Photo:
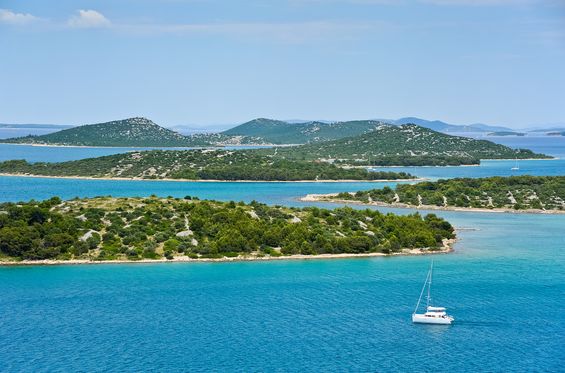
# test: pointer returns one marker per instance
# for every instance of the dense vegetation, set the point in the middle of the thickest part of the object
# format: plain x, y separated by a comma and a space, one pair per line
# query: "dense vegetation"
360, 142
135, 228
127, 132
515, 192
280, 132
197, 165
138, 132
406, 145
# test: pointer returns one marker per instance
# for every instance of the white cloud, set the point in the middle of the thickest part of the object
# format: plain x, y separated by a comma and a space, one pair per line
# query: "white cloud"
88, 19
7, 16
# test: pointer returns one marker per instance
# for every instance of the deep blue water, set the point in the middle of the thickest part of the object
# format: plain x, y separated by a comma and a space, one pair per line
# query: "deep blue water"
505, 285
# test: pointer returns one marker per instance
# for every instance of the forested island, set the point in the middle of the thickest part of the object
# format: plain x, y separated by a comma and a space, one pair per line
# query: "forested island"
515, 193
406, 145
133, 229
131, 132
350, 143
197, 165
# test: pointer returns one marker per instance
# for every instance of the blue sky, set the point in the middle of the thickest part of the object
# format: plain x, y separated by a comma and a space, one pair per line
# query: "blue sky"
218, 62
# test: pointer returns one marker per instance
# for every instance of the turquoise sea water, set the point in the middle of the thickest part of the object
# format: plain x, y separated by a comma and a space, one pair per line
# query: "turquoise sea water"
33, 153
505, 285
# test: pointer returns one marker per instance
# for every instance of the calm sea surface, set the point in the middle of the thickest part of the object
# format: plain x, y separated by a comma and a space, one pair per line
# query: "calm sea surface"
505, 285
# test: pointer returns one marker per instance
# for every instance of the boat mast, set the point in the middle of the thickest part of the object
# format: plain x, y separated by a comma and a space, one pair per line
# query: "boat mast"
428, 279
429, 299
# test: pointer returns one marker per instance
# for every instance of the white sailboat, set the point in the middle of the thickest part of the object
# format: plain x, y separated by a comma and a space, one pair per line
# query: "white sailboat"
516, 167
433, 315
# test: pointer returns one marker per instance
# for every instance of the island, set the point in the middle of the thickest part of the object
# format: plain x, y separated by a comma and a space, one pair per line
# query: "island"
199, 164
283, 132
131, 132
557, 133
348, 143
153, 229
537, 194
405, 145
506, 133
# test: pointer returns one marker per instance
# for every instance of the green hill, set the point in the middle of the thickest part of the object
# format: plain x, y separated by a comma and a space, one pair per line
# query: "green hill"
132, 132
404, 145
196, 165
280, 132
127, 132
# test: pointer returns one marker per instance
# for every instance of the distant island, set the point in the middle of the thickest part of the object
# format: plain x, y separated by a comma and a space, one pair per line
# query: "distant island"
405, 145
562, 133
515, 193
132, 132
300, 132
281, 132
506, 133
135, 229
227, 165
349, 144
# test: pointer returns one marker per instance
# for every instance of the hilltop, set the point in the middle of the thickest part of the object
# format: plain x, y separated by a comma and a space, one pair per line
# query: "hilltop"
126, 132
131, 132
302, 132
281, 132
404, 145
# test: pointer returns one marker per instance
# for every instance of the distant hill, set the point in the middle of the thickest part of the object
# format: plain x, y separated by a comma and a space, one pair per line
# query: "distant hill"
403, 145
440, 126
142, 132
132, 132
562, 133
281, 132
127, 132
295, 132
40, 126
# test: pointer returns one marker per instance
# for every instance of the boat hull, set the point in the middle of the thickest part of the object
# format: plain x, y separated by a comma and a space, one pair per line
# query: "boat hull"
422, 319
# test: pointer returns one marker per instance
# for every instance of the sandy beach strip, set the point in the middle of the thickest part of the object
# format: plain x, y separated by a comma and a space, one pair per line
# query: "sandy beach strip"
211, 180
327, 198
445, 249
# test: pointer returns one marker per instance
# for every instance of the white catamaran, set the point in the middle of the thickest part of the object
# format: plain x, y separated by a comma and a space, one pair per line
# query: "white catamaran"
433, 315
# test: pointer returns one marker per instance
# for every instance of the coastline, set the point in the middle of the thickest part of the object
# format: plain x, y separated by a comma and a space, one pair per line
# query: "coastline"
212, 180
445, 249
324, 198
219, 147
